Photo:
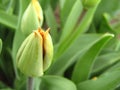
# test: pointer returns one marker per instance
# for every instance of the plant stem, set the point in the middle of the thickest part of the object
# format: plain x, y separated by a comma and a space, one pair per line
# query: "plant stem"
30, 83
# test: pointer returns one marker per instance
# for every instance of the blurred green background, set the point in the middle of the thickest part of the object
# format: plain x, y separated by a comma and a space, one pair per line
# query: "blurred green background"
86, 45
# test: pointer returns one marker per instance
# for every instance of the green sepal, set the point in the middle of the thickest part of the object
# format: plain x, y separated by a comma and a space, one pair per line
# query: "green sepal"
30, 56
30, 20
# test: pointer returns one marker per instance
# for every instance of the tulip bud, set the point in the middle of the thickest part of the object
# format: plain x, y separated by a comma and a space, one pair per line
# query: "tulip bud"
32, 17
35, 54
89, 3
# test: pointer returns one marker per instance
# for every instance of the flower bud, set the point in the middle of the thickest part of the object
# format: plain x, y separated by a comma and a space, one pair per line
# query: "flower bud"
89, 3
35, 54
32, 17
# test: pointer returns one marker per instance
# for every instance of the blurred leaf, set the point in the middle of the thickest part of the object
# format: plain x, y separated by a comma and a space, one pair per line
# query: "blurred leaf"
56, 83
51, 22
62, 2
107, 81
113, 21
2, 85
19, 37
54, 3
113, 68
83, 66
0, 45
72, 19
105, 61
65, 11
5, 62
82, 27
8, 20
80, 45
105, 27
20, 83
106, 6
4, 4
6, 89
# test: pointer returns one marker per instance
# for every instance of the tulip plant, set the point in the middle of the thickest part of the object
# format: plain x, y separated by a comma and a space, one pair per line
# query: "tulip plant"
59, 45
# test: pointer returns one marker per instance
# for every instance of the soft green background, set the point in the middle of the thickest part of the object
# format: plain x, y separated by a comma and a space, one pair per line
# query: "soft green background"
86, 45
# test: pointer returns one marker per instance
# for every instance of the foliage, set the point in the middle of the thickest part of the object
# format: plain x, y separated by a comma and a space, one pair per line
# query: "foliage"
86, 45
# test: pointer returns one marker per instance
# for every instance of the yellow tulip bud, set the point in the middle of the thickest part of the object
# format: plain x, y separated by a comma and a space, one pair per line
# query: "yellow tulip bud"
35, 54
32, 17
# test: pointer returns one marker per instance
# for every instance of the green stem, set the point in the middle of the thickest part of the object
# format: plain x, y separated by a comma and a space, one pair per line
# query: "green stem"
30, 83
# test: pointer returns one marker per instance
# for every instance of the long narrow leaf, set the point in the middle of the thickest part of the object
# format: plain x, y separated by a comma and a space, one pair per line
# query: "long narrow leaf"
83, 26
19, 37
72, 19
50, 20
83, 66
74, 51
56, 83
105, 61
108, 81
66, 10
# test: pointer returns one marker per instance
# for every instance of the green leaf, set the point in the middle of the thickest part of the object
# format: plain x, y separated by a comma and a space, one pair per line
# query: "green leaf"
82, 27
20, 84
65, 10
51, 22
83, 66
56, 83
108, 81
19, 37
106, 6
72, 19
0, 45
8, 20
6, 89
80, 45
62, 2
113, 68
105, 61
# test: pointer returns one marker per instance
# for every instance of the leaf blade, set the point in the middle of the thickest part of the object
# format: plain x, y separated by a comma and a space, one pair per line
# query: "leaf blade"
56, 83
86, 61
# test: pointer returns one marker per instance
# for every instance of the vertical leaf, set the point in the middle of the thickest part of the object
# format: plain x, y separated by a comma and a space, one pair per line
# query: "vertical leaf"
50, 20
8, 20
72, 19
82, 27
19, 37
66, 10
0, 45
108, 81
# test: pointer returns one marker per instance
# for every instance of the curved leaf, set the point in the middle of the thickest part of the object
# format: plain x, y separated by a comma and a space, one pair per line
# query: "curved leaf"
105, 61
80, 45
56, 83
83, 66
8, 20
108, 81
72, 19
80, 29
51, 22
